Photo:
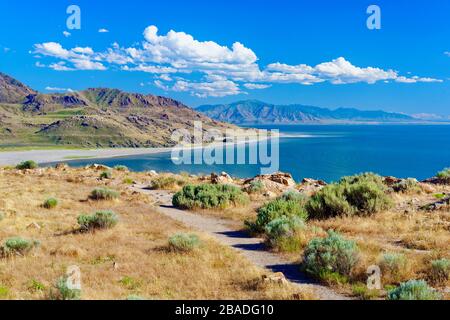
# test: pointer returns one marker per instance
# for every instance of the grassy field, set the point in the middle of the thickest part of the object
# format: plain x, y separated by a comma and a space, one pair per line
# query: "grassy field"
130, 259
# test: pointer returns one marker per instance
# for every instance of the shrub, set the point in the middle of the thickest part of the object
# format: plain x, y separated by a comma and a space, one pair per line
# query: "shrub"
392, 264
278, 208
332, 254
29, 164
444, 175
329, 202
439, 271
50, 203
4, 292
35, 286
367, 197
183, 242
104, 194
209, 196
256, 186
98, 220
409, 185
166, 183
413, 290
363, 194
121, 168
106, 175
128, 181
130, 283
280, 233
294, 196
63, 292
362, 292
18, 245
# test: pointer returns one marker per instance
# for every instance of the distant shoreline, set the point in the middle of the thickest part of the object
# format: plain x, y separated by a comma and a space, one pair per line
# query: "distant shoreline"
8, 158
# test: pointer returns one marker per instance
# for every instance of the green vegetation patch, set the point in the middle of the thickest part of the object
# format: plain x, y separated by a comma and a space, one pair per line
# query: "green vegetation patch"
29, 164
98, 220
104, 194
209, 196
361, 195
331, 255
414, 290
184, 242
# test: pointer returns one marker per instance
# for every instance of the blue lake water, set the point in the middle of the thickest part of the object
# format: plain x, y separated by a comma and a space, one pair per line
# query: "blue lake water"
330, 152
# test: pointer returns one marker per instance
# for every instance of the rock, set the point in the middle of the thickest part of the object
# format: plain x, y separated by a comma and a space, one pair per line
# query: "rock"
269, 194
314, 182
61, 166
96, 166
276, 182
277, 278
390, 181
437, 205
311, 186
34, 225
152, 173
222, 178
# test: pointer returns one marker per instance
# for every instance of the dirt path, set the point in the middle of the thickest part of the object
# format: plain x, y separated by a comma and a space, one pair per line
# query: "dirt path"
251, 248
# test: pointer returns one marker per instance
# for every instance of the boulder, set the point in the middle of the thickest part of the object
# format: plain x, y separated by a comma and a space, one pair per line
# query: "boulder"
277, 278
390, 181
276, 182
222, 178
61, 166
99, 167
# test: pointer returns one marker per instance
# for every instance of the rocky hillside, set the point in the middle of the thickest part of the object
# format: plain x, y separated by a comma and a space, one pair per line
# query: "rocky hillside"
13, 91
91, 118
257, 112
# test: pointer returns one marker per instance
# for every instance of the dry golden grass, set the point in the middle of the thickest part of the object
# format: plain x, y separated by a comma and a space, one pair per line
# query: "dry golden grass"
137, 245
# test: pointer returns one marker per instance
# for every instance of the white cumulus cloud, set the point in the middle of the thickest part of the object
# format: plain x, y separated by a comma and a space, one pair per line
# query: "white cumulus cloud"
223, 69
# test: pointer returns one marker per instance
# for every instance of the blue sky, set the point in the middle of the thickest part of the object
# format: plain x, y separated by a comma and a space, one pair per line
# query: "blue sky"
309, 52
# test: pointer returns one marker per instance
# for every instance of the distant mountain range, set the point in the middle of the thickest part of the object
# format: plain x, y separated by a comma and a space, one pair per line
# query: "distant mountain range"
257, 112
98, 117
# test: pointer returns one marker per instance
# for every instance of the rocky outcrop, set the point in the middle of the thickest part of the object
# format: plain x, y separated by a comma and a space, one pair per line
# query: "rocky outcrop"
222, 178
276, 182
310, 186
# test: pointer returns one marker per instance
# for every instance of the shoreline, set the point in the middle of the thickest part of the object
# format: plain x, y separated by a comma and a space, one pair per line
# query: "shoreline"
8, 158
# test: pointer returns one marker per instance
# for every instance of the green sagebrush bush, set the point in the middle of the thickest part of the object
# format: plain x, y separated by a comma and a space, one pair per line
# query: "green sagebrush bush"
104, 194
285, 206
281, 233
183, 242
333, 254
209, 196
363, 194
17, 245
29, 164
50, 203
166, 182
98, 220
414, 290
439, 271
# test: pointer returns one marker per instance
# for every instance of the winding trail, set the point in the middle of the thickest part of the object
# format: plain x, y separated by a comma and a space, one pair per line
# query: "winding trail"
252, 248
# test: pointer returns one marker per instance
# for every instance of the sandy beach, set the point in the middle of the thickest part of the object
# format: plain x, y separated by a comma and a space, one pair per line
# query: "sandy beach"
45, 156
8, 158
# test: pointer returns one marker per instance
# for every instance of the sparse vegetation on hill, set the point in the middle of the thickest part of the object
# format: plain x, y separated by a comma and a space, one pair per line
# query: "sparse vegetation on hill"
91, 118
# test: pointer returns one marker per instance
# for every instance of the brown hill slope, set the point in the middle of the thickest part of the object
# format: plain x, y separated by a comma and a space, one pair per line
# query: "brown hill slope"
98, 117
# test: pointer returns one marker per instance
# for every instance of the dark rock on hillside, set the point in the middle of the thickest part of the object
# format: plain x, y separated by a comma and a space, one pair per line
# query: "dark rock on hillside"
12, 90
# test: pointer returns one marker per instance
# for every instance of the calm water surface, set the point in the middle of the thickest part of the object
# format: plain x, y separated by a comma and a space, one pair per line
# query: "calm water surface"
330, 152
